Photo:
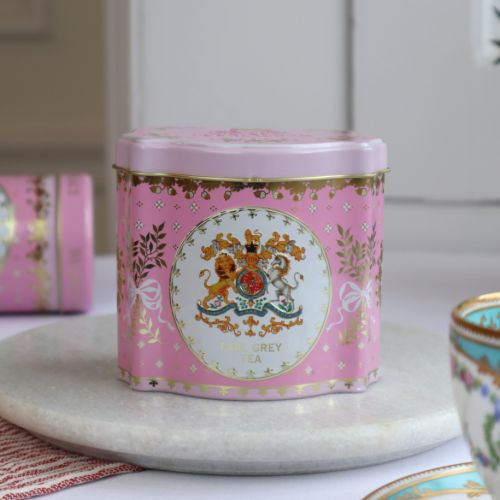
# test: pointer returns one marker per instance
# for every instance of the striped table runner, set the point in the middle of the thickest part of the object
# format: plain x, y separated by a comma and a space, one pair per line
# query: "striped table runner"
30, 467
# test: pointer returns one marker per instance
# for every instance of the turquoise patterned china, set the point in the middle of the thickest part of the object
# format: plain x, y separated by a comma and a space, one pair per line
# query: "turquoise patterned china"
453, 482
475, 367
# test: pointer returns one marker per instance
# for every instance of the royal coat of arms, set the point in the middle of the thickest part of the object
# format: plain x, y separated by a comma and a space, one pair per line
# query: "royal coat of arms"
259, 281
254, 277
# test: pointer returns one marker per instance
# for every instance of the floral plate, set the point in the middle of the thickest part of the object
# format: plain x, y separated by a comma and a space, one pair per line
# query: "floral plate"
452, 482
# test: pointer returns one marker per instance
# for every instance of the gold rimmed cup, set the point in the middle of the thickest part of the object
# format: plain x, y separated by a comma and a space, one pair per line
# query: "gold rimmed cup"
475, 367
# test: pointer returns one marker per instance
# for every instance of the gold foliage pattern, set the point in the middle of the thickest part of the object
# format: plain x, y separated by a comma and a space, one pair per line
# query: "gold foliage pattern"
358, 328
148, 252
38, 238
358, 259
189, 186
146, 328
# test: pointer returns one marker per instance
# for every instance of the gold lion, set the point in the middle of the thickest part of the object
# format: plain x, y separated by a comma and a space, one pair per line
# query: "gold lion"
225, 268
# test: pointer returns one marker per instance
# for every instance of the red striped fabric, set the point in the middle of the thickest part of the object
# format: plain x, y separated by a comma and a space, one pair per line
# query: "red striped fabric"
30, 467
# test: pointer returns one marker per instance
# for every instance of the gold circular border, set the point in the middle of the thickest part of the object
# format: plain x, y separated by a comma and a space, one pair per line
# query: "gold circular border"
250, 180
440, 472
327, 314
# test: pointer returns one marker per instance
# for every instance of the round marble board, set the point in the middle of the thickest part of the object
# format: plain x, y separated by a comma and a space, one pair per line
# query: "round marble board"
59, 382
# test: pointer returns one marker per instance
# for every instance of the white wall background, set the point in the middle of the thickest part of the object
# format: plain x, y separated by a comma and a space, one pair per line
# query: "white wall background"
420, 83
270, 63
259, 63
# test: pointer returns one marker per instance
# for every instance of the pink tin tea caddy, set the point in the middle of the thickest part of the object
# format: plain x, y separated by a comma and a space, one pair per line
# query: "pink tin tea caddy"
46, 243
249, 261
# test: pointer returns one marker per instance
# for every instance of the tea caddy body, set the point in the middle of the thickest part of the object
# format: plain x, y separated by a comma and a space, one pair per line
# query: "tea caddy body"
249, 261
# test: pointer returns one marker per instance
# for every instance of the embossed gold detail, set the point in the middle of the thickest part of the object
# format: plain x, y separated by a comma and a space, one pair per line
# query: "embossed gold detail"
358, 259
224, 325
331, 384
275, 327
358, 327
251, 179
148, 252
479, 303
38, 238
394, 487
492, 323
250, 322
296, 187
482, 365
146, 328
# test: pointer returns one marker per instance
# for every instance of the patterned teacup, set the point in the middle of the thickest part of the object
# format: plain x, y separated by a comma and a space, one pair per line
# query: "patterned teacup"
475, 365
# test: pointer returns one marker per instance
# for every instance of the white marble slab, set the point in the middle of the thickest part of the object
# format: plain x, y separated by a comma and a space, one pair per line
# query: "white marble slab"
58, 381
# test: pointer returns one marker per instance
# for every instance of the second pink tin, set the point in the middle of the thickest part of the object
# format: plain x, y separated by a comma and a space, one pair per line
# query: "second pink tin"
46, 243
249, 261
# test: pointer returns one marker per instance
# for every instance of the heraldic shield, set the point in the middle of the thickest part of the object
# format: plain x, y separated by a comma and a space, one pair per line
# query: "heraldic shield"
246, 282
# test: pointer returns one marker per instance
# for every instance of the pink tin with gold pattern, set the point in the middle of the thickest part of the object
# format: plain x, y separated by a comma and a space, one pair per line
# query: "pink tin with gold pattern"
46, 243
249, 261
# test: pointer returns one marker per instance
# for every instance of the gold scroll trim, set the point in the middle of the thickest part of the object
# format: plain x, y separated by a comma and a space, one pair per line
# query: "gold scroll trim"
250, 180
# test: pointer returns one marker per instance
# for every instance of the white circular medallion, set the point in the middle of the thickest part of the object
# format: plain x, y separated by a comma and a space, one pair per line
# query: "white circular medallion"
250, 290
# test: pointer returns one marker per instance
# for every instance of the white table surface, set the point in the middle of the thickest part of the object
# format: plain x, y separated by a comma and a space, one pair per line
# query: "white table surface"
419, 289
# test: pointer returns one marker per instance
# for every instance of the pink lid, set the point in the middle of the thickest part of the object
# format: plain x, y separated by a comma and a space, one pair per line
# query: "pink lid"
250, 153
76, 242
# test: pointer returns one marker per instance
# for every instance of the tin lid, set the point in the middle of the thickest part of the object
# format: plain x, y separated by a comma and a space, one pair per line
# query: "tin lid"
250, 153
76, 243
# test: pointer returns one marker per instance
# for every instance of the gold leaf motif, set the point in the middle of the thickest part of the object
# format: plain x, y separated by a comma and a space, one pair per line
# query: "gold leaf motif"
146, 327
296, 189
358, 259
148, 253
38, 238
358, 325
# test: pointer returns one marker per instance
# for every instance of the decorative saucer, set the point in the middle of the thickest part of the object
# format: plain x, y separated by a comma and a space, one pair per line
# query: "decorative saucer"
452, 482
